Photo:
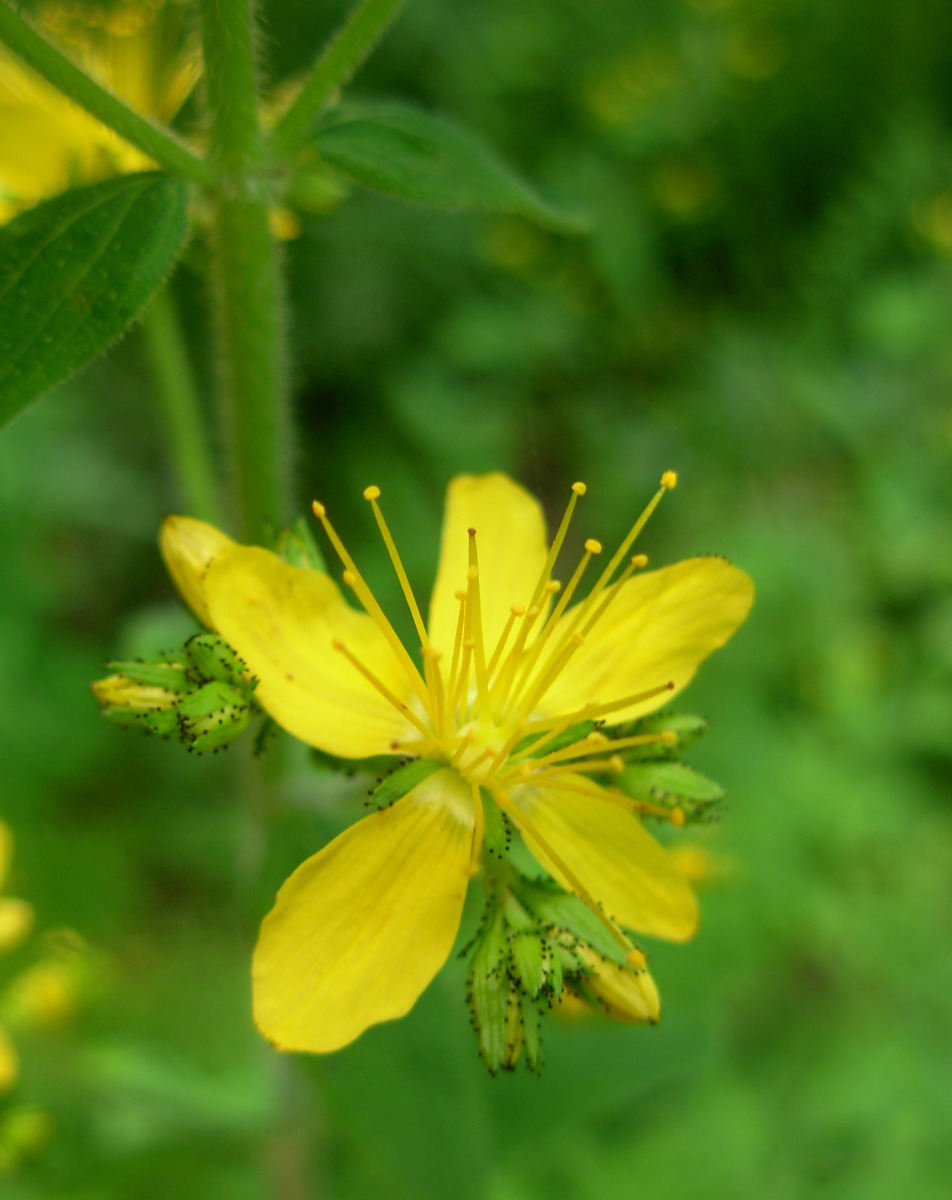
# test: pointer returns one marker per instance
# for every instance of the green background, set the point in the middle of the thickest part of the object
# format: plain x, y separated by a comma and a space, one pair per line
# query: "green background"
764, 303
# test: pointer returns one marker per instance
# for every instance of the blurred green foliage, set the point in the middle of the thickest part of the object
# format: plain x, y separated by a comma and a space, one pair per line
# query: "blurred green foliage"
763, 304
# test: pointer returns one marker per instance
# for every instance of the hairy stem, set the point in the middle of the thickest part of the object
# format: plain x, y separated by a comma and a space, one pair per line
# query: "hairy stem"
247, 293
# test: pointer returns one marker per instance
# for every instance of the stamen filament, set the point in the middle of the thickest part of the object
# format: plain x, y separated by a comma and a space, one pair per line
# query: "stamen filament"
373, 494
578, 489
515, 611
548, 674
591, 548
457, 642
502, 684
373, 609
382, 688
476, 632
592, 711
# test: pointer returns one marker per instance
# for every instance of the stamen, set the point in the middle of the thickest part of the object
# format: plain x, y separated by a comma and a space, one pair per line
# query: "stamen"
592, 547
434, 681
457, 642
578, 489
548, 674
591, 711
474, 612
464, 744
372, 494
517, 610
381, 687
522, 822
366, 597
501, 685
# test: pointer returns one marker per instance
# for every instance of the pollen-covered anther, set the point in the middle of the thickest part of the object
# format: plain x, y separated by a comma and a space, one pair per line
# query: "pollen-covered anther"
616, 763
372, 492
517, 610
553, 586
668, 736
593, 546
669, 480
318, 509
677, 817
579, 488
349, 578
639, 560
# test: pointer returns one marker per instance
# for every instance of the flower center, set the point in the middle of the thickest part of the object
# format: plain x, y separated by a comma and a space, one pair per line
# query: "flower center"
476, 707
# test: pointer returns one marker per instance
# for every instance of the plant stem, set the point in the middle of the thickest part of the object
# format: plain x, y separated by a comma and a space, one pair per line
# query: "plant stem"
337, 62
247, 294
159, 144
186, 435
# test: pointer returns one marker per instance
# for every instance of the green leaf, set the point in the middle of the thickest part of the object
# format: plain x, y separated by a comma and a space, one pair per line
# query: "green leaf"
403, 152
75, 272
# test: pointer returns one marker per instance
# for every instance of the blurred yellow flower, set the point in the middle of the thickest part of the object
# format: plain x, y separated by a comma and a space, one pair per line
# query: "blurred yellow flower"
16, 921
506, 667
137, 50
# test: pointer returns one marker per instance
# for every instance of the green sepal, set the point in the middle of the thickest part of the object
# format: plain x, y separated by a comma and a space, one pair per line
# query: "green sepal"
555, 909
529, 961
214, 660
213, 716
298, 547
568, 737
171, 675
686, 727
489, 992
667, 781
163, 721
496, 832
403, 780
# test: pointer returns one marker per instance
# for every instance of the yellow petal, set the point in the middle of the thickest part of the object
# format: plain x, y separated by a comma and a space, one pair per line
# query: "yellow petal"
360, 929
658, 629
605, 849
16, 921
625, 994
188, 547
283, 621
9, 1064
511, 542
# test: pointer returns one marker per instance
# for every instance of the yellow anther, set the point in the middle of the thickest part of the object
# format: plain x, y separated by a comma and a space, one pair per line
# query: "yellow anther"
579, 489
318, 509
598, 739
553, 586
461, 595
349, 578
517, 610
617, 763
635, 958
338, 644
592, 546
668, 736
677, 817
639, 560
431, 654
669, 480
372, 492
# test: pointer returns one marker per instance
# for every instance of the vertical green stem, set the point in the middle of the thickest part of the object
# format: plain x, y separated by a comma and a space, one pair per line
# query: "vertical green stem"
181, 410
248, 297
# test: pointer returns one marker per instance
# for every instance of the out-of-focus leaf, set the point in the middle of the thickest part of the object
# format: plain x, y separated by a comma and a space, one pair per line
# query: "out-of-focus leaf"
75, 272
407, 153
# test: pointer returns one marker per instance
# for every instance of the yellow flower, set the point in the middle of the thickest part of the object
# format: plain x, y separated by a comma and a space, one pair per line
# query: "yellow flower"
49, 143
16, 921
508, 664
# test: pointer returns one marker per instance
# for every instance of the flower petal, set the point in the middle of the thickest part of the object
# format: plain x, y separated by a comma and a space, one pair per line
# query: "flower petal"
16, 921
624, 993
610, 854
283, 622
360, 929
659, 628
188, 547
511, 543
